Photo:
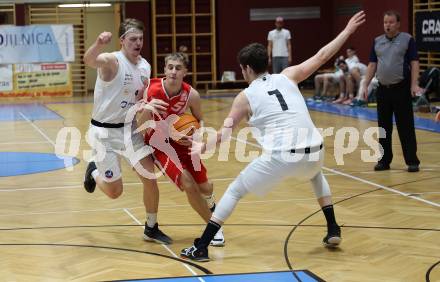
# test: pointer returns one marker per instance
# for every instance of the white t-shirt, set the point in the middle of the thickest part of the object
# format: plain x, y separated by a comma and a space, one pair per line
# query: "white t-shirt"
113, 99
279, 42
280, 118
352, 62
362, 68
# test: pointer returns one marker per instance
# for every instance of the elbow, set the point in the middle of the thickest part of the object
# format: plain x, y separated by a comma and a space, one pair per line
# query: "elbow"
86, 61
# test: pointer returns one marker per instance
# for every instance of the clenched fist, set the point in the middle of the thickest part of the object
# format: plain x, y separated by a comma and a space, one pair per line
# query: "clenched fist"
104, 38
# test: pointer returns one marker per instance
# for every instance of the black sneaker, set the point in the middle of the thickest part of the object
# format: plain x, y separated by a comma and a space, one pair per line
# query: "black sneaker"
89, 182
154, 234
413, 168
333, 237
194, 253
381, 166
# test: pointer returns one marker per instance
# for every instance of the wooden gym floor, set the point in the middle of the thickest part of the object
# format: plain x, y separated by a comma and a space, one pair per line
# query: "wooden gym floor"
52, 230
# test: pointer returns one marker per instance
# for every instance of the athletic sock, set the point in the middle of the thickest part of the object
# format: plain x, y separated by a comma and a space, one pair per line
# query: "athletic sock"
329, 214
211, 229
151, 219
210, 200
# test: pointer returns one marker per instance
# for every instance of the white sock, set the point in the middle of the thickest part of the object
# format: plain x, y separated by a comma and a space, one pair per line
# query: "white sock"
151, 219
210, 200
95, 174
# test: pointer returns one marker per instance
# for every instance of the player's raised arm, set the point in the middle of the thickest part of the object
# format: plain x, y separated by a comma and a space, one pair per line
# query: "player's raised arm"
302, 71
105, 62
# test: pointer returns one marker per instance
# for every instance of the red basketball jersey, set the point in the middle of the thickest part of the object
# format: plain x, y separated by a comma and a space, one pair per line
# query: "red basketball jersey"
176, 104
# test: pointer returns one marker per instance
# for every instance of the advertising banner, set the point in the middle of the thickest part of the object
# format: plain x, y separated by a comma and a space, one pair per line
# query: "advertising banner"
428, 31
36, 44
21, 80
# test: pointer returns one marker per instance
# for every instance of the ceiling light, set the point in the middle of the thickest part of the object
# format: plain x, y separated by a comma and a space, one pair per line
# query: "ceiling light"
94, 5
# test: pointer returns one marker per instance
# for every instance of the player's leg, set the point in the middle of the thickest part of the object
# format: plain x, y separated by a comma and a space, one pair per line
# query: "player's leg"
323, 195
194, 195
199, 251
151, 202
350, 89
207, 190
318, 80
342, 90
105, 174
259, 177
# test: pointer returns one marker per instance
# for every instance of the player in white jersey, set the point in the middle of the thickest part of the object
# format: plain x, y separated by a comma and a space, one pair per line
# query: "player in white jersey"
275, 106
122, 79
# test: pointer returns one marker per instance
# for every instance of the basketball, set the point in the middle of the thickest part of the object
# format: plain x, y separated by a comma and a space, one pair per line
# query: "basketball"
186, 121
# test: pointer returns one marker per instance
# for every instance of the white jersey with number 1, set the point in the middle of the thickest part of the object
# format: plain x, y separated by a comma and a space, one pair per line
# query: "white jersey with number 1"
280, 118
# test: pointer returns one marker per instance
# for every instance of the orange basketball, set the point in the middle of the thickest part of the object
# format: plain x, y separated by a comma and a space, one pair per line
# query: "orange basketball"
186, 121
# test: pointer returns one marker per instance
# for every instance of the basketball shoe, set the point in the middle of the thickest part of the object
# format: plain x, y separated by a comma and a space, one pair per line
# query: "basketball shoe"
154, 234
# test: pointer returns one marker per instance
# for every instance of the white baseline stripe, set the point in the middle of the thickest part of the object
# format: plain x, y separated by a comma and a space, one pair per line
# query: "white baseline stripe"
37, 129
360, 179
163, 245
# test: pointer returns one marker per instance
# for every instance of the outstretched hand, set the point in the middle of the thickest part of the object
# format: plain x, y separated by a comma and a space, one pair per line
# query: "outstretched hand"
355, 21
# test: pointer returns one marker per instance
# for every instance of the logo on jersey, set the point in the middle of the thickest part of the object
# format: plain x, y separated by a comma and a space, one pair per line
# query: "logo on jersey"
124, 104
108, 174
177, 107
128, 79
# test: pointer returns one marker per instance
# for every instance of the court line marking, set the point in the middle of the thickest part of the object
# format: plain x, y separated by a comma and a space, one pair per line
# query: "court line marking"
25, 142
79, 185
163, 245
408, 195
173, 206
37, 128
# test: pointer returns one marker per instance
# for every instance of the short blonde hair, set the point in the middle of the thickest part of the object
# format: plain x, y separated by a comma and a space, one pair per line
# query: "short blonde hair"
178, 56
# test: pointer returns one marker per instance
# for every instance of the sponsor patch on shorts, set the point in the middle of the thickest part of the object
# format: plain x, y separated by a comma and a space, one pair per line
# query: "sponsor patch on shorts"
109, 174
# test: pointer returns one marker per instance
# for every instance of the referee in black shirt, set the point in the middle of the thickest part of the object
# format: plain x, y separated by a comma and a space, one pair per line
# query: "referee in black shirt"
395, 61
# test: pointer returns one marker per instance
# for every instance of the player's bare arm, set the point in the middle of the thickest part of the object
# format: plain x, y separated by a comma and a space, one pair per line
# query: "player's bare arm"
106, 63
302, 71
240, 109
195, 105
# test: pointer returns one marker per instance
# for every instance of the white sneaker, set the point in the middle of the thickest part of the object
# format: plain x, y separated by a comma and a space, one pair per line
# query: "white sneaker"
219, 239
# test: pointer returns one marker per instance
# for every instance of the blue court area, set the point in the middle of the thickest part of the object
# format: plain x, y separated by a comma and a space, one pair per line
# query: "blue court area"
31, 111
281, 276
367, 114
20, 163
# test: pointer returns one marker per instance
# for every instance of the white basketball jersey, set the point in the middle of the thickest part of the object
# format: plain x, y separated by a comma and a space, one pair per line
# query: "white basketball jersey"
280, 116
113, 99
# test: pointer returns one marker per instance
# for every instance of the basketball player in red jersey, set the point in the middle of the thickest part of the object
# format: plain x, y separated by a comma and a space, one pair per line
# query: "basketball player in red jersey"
171, 96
